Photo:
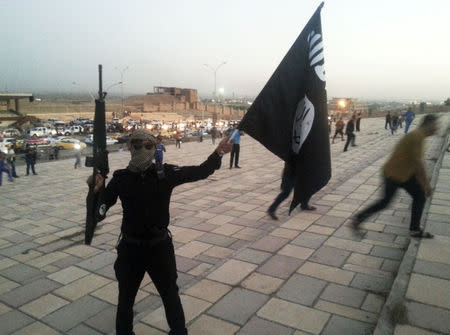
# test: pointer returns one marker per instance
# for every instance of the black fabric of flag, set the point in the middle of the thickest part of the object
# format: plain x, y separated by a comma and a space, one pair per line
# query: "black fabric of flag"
289, 116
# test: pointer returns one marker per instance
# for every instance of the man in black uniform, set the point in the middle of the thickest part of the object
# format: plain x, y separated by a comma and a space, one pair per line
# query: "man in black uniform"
146, 244
349, 131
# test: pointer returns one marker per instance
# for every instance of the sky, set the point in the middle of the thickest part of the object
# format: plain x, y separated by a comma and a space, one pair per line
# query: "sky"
374, 49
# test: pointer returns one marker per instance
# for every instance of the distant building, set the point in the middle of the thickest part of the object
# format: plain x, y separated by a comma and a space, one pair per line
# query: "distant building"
164, 95
347, 106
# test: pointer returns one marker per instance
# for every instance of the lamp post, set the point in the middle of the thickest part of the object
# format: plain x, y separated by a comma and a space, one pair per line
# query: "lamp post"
214, 70
121, 81
106, 90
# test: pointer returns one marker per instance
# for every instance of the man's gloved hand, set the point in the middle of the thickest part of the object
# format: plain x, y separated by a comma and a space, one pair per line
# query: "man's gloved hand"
99, 181
224, 147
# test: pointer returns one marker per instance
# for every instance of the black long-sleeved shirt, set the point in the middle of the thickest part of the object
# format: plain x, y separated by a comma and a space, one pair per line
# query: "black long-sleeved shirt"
145, 198
350, 128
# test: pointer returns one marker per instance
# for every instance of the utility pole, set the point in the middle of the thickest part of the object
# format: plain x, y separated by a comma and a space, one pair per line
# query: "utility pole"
214, 70
121, 86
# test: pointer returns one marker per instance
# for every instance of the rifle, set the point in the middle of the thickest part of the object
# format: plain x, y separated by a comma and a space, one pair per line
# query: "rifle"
99, 161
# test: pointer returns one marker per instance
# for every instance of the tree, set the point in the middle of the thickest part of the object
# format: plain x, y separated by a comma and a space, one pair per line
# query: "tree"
447, 102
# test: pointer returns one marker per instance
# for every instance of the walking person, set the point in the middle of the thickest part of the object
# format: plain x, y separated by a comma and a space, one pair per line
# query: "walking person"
394, 124
213, 135
349, 131
3, 168
146, 243
388, 121
30, 158
339, 129
11, 160
77, 158
287, 185
409, 117
358, 121
405, 169
160, 150
234, 156
178, 140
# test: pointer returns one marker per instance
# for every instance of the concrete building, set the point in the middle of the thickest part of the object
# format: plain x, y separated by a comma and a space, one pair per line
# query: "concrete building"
346, 106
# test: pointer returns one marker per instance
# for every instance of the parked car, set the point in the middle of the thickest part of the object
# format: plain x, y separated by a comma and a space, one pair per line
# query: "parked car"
36, 140
71, 130
40, 131
90, 140
11, 132
70, 144
6, 143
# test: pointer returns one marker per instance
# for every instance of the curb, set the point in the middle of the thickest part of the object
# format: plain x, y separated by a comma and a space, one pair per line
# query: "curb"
394, 311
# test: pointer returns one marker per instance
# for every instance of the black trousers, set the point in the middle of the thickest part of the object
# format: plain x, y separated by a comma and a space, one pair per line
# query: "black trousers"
133, 261
338, 131
350, 138
390, 187
235, 155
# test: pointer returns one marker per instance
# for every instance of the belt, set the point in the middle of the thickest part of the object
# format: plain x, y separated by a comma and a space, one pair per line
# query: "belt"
145, 242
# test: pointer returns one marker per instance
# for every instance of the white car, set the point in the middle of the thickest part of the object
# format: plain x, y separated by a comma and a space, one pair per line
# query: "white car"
90, 140
73, 130
6, 143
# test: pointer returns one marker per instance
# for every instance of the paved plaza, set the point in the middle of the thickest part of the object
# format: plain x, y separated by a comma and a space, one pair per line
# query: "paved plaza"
239, 271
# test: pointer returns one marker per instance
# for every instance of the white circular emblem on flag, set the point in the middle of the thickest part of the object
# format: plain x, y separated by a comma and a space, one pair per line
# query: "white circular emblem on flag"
316, 54
303, 121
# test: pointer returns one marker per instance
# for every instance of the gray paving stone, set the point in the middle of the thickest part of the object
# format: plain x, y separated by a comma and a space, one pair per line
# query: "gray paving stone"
378, 236
13, 320
373, 303
258, 326
98, 261
302, 289
428, 317
67, 261
216, 239
26, 293
280, 266
82, 329
270, 243
371, 283
309, 240
105, 321
71, 315
330, 221
338, 325
390, 265
185, 264
329, 256
434, 269
396, 230
185, 280
17, 238
148, 304
107, 271
22, 273
55, 245
252, 255
386, 252
238, 305
343, 295
18, 249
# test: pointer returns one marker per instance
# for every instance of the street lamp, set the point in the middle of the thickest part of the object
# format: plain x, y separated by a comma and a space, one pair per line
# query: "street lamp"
214, 70
121, 82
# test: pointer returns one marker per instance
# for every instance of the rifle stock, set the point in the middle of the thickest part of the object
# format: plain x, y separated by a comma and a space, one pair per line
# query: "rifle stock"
99, 161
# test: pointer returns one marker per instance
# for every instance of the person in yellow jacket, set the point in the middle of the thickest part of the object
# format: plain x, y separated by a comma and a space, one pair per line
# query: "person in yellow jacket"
405, 169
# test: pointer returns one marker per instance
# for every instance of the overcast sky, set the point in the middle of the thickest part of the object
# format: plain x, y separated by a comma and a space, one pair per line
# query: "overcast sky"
373, 48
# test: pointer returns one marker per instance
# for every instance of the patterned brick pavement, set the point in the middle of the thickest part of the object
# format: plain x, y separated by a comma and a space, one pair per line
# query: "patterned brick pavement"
239, 271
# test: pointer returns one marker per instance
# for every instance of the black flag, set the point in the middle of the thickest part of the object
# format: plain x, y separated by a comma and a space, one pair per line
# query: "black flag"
289, 116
